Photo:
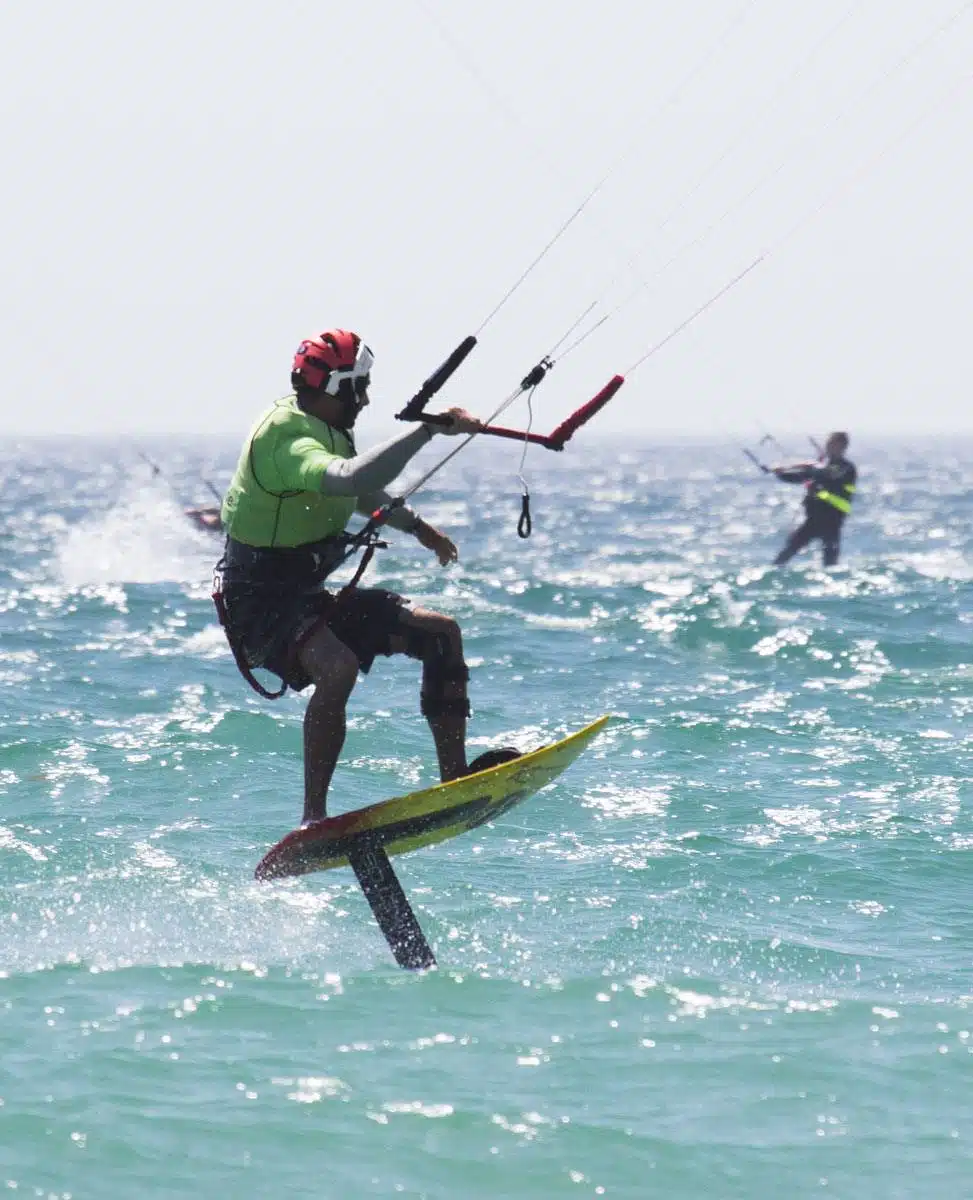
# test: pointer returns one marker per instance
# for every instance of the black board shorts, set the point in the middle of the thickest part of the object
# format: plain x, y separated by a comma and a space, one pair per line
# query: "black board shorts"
270, 618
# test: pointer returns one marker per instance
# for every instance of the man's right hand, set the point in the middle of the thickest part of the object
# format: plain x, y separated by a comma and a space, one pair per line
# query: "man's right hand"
461, 421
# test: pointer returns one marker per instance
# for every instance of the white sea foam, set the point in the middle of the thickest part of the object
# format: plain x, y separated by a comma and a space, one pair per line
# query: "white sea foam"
144, 538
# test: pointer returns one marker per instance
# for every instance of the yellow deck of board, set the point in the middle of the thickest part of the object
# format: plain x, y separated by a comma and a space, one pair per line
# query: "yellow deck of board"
492, 792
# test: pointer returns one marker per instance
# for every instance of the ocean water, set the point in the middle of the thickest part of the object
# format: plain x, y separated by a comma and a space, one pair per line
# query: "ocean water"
728, 954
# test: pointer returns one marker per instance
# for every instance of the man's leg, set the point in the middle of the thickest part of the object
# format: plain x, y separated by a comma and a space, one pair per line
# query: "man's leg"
831, 546
437, 641
801, 536
333, 669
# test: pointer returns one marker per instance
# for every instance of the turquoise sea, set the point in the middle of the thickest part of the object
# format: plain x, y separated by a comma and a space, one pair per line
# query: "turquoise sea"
728, 954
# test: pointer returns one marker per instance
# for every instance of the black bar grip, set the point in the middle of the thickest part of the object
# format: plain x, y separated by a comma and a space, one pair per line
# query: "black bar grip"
435, 381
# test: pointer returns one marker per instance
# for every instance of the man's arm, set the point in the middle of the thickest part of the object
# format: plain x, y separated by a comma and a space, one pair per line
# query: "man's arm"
373, 469
306, 465
798, 473
319, 469
408, 521
402, 517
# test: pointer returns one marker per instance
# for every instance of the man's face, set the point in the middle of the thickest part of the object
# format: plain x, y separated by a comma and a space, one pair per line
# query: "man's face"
354, 408
835, 446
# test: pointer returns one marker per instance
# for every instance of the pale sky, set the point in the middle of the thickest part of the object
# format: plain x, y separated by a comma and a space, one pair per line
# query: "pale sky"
191, 188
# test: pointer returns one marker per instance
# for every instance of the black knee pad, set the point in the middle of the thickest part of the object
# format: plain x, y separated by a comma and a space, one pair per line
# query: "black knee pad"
432, 701
442, 706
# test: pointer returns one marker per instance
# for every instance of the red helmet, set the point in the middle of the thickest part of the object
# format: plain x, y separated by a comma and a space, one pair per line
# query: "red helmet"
328, 359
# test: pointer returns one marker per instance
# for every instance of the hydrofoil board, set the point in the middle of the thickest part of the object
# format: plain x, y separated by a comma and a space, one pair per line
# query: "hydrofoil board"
364, 839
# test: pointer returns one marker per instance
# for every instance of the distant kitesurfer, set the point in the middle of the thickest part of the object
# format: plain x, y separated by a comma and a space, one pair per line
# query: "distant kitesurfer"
205, 517
298, 482
830, 485
208, 518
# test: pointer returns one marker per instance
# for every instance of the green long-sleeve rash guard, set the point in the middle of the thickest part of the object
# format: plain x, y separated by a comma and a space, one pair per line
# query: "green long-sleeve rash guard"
299, 480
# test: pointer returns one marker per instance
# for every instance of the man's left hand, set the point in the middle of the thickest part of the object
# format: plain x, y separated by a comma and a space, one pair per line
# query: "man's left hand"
460, 421
443, 547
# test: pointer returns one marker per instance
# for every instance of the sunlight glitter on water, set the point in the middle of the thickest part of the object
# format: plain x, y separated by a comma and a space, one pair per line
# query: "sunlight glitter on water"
762, 858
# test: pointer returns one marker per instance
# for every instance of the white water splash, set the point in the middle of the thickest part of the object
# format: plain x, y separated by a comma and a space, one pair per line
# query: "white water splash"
145, 538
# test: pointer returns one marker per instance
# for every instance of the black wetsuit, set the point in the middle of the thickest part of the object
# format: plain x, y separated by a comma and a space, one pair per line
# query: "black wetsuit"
830, 488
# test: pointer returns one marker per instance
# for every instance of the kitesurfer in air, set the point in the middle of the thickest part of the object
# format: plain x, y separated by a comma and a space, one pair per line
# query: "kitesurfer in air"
829, 488
299, 480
